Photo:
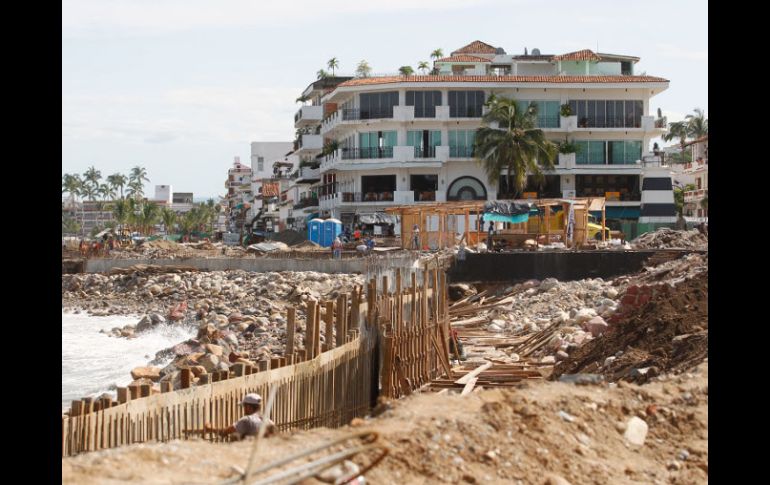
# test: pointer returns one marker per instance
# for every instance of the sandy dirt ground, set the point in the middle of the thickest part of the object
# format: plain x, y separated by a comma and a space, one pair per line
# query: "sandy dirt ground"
542, 432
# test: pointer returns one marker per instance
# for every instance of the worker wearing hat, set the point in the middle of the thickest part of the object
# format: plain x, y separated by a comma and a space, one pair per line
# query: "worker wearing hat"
249, 424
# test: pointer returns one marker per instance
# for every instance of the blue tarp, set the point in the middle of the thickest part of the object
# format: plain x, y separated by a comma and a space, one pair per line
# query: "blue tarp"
488, 216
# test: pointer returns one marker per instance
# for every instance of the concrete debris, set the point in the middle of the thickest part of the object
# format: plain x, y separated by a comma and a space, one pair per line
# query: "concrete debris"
665, 238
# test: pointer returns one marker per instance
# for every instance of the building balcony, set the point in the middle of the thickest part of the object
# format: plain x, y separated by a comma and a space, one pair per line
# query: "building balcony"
308, 116
309, 143
695, 195
367, 153
609, 122
695, 166
306, 202
308, 175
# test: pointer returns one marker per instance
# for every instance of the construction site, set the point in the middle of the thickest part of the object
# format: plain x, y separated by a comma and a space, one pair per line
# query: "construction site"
586, 363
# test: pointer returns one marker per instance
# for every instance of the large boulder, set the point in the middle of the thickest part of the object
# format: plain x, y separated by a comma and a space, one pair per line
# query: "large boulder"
596, 326
152, 373
210, 362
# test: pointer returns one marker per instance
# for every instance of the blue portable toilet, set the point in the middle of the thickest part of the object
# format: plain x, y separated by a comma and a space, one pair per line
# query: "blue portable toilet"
331, 229
314, 230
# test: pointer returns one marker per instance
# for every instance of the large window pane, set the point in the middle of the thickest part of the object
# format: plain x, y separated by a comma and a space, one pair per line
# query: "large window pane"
616, 152
596, 152
581, 156
601, 119
633, 151
629, 114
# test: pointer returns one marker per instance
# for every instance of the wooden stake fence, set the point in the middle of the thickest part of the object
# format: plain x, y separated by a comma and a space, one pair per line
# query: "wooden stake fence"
314, 388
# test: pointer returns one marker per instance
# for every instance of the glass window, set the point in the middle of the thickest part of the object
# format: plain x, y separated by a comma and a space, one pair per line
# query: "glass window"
260, 164
581, 156
378, 105
616, 152
465, 104
424, 102
633, 151
596, 152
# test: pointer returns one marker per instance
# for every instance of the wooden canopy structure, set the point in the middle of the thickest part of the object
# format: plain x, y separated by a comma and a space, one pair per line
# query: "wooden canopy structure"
438, 222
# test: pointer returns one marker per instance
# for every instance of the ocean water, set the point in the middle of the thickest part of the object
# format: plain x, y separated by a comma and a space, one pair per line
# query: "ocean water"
93, 363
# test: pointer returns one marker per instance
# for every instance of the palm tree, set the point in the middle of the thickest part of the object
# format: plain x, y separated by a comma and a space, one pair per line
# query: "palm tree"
437, 54
169, 219
137, 177
423, 66
149, 216
302, 99
333, 64
321, 74
117, 181
120, 212
697, 124
363, 69
135, 190
406, 70
678, 129
516, 145
92, 176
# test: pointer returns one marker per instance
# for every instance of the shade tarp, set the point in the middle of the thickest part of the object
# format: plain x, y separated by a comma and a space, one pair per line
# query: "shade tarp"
377, 218
503, 211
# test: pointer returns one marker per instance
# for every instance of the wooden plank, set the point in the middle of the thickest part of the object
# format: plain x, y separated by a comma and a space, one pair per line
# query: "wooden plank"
291, 326
472, 375
329, 331
442, 359
309, 331
469, 386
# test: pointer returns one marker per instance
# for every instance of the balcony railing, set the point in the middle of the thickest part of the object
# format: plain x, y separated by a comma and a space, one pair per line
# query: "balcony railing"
424, 196
424, 152
367, 196
624, 195
366, 114
609, 122
461, 152
371, 152
307, 202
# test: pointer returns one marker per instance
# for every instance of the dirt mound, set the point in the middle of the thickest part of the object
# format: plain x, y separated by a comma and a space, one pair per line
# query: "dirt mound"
161, 244
665, 238
289, 237
493, 436
668, 332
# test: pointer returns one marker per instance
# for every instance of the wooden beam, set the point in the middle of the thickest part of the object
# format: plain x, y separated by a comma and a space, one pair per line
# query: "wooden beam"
469, 386
291, 326
472, 375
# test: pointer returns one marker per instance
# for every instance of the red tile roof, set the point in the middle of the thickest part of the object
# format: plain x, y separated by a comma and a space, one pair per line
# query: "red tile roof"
504, 79
476, 47
463, 58
584, 55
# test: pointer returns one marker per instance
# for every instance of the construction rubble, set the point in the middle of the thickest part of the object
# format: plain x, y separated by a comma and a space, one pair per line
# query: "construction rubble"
665, 238
632, 327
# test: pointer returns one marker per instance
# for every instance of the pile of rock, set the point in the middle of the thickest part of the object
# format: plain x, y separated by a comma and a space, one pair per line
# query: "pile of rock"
665, 238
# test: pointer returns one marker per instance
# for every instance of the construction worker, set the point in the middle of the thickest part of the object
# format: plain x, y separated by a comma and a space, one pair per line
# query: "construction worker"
249, 424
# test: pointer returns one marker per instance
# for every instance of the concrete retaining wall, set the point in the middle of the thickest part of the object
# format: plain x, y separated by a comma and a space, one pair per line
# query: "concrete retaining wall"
564, 266
258, 265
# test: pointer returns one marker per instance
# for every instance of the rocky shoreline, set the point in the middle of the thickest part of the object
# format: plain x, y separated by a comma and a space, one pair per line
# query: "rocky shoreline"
240, 316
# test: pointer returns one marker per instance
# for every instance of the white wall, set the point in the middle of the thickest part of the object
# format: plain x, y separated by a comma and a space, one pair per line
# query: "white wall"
271, 151
535, 69
163, 192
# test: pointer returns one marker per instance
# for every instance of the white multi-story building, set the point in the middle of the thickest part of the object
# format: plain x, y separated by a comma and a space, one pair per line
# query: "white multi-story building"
409, 139
239, 196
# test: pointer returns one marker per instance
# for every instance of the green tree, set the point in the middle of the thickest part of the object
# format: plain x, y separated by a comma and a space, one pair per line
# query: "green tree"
333, 64
149, 216
406, 70
136, 180
697, 124
437, 54
169, 219
680, 130
679, 197
120, 212
363, 69
92, 176
117, 181
423, 66
321, 74
509, 140
69, 225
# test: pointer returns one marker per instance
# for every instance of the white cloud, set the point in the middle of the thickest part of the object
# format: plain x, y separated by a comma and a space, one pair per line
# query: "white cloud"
150, 17
671, 51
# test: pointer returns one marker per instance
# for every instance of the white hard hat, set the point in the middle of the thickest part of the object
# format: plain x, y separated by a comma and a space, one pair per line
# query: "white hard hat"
252, 398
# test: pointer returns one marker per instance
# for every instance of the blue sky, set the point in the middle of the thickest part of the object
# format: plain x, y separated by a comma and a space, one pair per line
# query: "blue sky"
180, 87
